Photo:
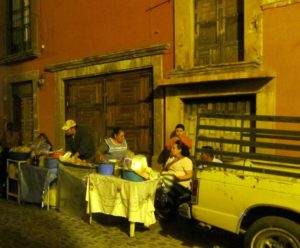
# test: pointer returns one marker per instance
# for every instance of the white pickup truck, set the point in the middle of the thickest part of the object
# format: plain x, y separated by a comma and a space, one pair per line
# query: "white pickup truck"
255, 192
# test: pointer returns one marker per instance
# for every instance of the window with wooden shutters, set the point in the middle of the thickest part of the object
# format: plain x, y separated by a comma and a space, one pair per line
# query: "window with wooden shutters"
20, 31
219, 35
20, 25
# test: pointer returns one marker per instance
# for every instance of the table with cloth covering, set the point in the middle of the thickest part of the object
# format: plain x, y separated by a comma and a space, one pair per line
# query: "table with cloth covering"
118, 197
35, 183
72, 182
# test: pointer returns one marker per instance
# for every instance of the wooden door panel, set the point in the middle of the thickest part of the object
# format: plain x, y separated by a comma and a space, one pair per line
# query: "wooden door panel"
123, 100
23, 110
129, 106
112, 88
84, 104
145, 118
86, 94
132, 140
127, 91
138, 141
143, 141
122, 116
131, 116
27, 120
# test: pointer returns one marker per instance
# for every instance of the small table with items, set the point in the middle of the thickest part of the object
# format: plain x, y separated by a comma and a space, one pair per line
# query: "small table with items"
118, 197
35, 183
12, 167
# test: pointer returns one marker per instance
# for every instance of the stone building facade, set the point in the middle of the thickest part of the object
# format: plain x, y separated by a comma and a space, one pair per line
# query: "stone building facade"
159, 63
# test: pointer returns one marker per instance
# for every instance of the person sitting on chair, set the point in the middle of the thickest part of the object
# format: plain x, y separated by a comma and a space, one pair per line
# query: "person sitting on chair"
179, 165
41, 145
176, 182
208, 155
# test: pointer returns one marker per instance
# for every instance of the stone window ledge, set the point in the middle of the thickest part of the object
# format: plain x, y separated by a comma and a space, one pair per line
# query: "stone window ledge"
18, 57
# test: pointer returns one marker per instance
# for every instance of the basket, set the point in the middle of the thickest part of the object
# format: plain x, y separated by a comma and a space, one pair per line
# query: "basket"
131, 176
19, 155
106, 168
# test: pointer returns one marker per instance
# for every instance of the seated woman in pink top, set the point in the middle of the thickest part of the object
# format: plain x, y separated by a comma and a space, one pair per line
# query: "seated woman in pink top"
179, 134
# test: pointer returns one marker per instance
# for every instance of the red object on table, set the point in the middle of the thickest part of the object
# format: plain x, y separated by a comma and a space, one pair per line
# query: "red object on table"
57, 154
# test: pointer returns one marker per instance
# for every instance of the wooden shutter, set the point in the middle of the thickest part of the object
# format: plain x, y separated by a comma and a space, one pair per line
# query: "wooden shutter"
206, 33
234, 31
20, 13
218, 31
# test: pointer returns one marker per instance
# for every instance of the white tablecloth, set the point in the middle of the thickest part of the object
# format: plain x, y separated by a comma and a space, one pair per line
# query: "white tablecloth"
118, 197
72, 181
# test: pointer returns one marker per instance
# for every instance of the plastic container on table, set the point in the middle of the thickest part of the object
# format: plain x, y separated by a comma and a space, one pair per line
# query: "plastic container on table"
106, 168
19, 155
51, 163
132, 176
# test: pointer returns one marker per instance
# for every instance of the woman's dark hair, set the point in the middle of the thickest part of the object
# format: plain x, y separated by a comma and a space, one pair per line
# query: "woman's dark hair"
116, 131
47, 139
184, 149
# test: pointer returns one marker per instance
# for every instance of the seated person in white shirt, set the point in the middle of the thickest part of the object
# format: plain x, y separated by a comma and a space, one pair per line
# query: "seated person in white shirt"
208, 155
176, 178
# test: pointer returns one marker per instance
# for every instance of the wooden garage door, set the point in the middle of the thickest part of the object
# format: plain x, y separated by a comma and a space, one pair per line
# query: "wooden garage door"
123, 100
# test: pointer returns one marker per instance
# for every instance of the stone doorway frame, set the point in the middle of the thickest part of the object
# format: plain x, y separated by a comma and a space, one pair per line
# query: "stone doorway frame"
131, 60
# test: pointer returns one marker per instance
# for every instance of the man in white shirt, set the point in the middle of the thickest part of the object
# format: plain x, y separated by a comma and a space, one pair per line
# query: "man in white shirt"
208, 155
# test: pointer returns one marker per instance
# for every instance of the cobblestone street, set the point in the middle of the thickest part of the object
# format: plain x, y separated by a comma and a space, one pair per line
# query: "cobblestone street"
30, 226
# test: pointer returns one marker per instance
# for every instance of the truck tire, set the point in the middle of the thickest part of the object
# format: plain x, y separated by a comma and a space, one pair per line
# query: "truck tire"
273, 231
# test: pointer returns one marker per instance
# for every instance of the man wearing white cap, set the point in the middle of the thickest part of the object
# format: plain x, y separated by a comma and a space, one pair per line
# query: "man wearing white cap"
79, 141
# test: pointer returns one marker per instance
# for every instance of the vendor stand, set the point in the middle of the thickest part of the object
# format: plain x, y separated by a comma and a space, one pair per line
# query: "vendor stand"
82, 191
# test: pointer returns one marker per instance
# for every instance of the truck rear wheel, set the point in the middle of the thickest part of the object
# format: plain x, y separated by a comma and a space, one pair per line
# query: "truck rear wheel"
272, 231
